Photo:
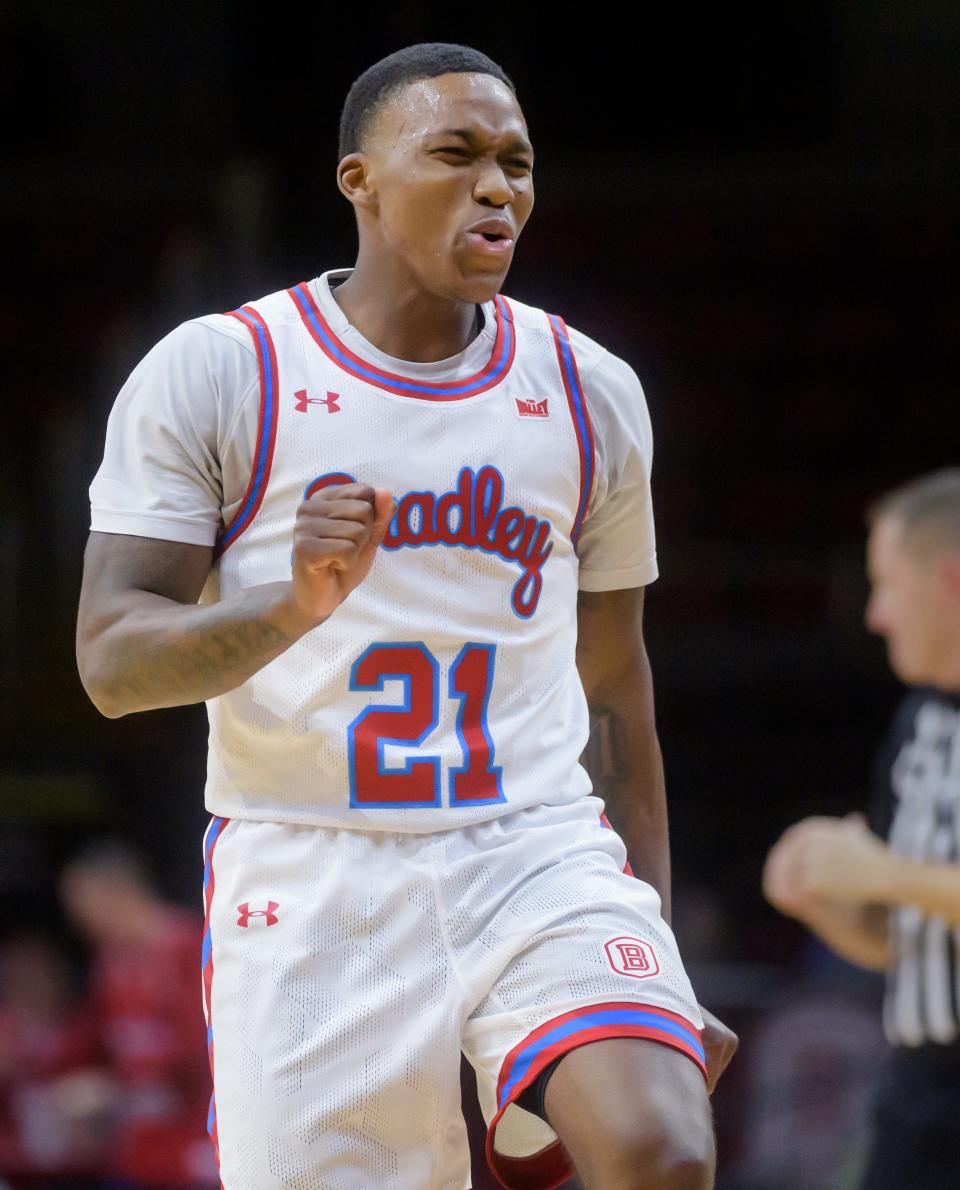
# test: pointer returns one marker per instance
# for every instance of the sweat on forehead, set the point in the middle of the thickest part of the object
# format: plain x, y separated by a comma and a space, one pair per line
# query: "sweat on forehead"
452, 102
386, 79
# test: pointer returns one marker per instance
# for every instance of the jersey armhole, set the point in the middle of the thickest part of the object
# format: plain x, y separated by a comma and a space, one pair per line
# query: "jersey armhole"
579, 414
266, 429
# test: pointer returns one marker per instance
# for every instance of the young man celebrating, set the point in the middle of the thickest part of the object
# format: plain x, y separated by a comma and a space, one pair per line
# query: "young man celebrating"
354, 517
891, 899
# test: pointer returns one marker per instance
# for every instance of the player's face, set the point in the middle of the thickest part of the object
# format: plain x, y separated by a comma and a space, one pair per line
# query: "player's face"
450, 171
911, 605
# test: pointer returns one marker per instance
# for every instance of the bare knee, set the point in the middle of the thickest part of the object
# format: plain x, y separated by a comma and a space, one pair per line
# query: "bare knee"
672, 1153
674, 1160
633, 1114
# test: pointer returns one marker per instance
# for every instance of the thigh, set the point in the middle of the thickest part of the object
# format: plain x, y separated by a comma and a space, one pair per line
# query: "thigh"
334, 1027
584, 956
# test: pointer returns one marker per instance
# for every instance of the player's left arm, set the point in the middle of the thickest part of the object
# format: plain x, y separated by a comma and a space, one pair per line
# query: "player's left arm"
628, 768
615, 672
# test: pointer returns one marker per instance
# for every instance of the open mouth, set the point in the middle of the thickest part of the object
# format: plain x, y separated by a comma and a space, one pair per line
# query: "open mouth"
491, 242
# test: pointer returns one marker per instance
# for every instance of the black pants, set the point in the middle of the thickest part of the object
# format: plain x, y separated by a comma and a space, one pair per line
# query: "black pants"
916, 1118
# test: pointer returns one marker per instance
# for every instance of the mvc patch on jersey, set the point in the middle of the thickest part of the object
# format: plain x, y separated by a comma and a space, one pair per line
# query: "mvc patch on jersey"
530, 407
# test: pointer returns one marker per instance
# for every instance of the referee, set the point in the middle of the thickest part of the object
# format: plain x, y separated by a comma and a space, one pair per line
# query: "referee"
895, 905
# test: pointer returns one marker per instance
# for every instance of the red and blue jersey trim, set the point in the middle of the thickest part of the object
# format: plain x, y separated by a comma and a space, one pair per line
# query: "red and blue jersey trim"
594, 1022
214, 831
577, 404
499, 364
266, 428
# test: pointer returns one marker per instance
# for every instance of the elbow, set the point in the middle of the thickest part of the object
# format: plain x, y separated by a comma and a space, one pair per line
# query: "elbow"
108, 707
108, 710
99, 691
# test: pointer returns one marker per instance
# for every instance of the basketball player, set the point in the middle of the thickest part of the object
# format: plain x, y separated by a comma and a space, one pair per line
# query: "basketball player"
353, 517
889, 897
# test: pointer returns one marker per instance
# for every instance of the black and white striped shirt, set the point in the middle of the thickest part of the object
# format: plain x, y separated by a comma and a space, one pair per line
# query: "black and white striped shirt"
917, 808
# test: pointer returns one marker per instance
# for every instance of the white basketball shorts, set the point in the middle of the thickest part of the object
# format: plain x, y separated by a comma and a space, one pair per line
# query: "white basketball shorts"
344, 971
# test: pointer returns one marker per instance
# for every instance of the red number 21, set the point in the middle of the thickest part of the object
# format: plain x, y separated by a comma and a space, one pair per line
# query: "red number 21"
417, 781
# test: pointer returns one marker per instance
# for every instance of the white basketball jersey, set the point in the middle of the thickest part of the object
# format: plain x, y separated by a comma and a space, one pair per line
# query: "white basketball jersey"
444, 690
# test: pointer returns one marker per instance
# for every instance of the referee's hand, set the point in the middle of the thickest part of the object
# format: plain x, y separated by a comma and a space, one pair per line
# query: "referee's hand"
820, 859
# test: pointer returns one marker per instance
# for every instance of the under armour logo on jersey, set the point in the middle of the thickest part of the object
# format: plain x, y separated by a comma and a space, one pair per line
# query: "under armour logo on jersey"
330, 401
530, 407
633, 957
269, 914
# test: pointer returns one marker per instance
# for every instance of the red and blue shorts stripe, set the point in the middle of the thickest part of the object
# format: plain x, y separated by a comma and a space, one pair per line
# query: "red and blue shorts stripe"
524, 1063
214, 831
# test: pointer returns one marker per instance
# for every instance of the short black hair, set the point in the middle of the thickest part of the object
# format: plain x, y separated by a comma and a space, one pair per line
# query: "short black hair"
424, 61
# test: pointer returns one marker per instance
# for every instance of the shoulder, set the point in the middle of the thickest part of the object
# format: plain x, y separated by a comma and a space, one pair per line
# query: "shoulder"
901, 723
193, 381
217, 337
606, 378
203, 346
615, 399
921, 700
283, 307
923, 712
214, 353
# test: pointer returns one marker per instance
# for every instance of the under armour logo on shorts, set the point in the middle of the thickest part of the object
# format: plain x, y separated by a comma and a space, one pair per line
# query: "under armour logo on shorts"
269, 914
633, 957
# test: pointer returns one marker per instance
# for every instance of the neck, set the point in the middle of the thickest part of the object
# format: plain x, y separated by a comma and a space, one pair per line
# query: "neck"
948, 654
948, 679
393, 313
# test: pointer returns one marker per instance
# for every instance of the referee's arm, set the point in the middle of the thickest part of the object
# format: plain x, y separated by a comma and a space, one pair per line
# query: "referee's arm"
842, 861
822, 872
934, 889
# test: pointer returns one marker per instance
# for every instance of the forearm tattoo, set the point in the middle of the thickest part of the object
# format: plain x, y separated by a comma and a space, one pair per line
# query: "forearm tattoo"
196, 661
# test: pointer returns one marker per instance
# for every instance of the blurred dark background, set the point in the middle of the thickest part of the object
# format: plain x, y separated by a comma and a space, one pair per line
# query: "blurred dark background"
757, 208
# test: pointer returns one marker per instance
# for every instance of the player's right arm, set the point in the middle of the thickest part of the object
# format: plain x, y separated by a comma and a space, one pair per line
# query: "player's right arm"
142, 640
858, 933
176, 462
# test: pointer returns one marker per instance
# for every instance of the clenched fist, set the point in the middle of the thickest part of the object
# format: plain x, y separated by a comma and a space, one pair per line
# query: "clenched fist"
335, 539
828, 859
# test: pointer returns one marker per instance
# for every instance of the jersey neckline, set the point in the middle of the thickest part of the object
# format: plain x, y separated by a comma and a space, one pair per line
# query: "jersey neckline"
327, 325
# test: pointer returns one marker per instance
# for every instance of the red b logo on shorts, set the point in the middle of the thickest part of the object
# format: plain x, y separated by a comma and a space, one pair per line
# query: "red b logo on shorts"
246, 913
631, 956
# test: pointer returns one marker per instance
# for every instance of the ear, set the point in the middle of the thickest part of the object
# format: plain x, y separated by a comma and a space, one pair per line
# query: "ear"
354, 178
